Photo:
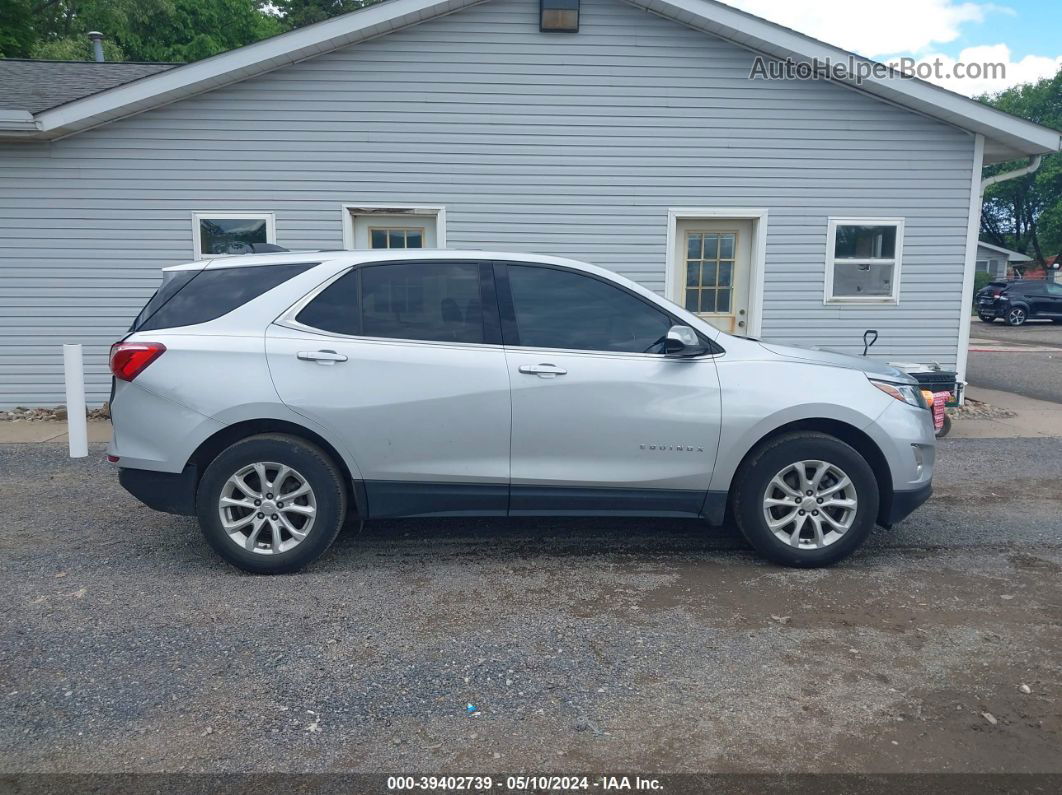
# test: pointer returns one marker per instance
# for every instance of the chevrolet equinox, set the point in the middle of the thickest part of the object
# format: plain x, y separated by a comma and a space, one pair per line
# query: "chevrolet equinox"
274, 395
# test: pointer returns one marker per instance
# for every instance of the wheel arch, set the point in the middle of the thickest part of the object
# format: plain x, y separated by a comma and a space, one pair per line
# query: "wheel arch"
845, 432
210, 447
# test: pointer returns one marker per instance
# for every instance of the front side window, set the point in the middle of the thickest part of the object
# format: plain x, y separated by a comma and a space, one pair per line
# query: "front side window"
863, 260
221, 234
560, 309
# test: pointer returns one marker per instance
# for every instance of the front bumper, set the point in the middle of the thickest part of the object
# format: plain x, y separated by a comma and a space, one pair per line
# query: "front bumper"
903, 504
163, 491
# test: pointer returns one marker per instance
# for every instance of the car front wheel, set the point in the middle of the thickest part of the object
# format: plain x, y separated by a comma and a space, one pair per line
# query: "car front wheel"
806, 499
1016, 316
271, 504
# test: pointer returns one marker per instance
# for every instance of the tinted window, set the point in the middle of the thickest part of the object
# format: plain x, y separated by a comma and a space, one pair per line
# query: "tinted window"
335, 308
422, 301
1054, 289
1029, 288
209, 294
561, 309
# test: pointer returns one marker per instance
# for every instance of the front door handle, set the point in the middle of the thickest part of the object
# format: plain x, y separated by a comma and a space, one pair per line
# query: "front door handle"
322, 357
542, 370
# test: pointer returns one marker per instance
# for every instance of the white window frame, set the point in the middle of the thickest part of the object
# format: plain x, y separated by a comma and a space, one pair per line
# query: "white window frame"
269, 218
413, 211
831, 261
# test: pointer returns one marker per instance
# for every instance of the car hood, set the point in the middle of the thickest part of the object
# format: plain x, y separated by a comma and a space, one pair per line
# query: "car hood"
834, 359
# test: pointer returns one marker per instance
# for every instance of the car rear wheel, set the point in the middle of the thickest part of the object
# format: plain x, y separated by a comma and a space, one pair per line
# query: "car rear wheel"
271, 504
987, 318
1016, 316
805, 499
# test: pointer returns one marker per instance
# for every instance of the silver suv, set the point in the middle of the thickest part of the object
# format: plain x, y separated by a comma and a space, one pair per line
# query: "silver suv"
275, 395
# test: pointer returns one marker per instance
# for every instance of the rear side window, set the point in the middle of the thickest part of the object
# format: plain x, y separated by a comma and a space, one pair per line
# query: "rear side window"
437, 302
208, 294
413, 301
335, 308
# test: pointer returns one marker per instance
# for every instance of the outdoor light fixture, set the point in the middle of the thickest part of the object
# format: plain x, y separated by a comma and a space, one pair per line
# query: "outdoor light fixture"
559, 16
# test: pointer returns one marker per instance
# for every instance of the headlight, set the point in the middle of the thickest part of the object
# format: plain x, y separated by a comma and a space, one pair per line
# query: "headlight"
906, 393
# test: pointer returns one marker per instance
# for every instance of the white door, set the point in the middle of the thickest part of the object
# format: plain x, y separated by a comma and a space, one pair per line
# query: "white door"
602, 420
407, 230
711, 271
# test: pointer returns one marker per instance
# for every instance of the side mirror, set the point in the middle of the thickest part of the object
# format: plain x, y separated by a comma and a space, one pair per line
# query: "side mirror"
682, 341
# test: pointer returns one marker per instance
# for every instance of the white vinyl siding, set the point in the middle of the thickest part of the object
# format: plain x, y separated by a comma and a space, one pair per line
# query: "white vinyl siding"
572, 145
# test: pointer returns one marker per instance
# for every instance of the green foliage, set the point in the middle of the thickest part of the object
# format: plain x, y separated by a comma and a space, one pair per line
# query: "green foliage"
299, 13
77, 48
981, 279
16, 28
1025, 214
137, 30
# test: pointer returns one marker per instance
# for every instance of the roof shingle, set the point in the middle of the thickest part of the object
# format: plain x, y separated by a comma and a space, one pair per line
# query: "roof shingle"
40, 85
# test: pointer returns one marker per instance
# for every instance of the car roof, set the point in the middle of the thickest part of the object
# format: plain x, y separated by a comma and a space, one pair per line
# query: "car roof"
373, 255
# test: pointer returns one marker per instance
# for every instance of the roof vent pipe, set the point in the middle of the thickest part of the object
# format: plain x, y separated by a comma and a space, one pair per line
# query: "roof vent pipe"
97, 45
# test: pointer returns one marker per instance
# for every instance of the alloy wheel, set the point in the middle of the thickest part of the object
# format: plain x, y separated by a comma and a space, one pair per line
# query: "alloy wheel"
810, 504
1016, 316
267, 508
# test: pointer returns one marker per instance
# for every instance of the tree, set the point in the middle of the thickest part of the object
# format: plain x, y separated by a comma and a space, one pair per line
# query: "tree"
299, 13
139, 30
1025, 214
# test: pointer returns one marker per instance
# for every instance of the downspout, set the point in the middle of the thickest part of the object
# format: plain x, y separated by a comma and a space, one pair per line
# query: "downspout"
977, 192
1034, 163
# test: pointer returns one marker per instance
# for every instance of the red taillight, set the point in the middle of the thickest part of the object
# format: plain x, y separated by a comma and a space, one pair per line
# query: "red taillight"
128, 359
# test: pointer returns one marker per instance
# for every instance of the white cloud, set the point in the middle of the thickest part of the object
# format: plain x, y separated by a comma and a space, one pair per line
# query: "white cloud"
1008, 72
873, 29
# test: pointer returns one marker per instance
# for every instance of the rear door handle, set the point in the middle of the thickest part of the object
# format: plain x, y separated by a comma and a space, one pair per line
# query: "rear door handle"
543, 370
322, 357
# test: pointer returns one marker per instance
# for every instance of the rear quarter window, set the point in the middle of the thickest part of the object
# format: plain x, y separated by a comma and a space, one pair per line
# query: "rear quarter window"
208, 294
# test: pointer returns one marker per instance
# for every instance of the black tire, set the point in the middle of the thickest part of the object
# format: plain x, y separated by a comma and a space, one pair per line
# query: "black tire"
1017, 315
312, 463
987, 318
945, 429
752, 479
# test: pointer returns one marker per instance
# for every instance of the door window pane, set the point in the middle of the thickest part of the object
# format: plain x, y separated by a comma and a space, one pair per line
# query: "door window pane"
397, 237
422, 301
335, 308
560, 309
709, 271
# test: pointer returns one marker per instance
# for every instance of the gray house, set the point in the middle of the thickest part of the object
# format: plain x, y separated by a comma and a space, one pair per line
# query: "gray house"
798, 210
996, 261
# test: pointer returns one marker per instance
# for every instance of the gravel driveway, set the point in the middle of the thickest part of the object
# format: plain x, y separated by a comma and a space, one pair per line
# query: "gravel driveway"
583, 645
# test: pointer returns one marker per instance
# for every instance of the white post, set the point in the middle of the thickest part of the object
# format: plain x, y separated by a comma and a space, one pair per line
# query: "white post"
76, 426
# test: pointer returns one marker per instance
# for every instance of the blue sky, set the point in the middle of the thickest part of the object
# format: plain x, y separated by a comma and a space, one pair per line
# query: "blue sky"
1024, 35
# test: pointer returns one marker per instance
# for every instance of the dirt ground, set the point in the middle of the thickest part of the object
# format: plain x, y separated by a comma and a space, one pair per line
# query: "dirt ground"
591, 646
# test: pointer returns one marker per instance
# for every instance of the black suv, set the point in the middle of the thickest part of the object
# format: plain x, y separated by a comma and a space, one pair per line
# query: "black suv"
1021, 300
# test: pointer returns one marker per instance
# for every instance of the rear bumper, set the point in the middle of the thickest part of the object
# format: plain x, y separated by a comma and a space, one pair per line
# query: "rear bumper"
163, 491
904, 503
